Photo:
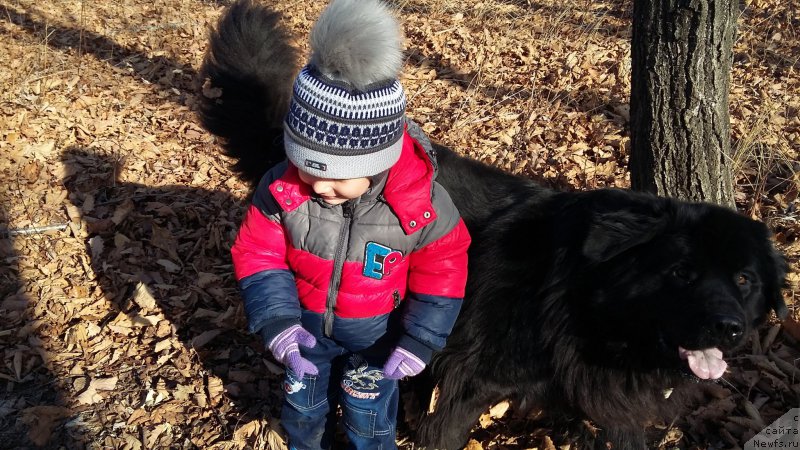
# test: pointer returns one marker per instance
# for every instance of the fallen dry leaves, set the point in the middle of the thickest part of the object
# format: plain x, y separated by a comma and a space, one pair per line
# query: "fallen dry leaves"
120, 325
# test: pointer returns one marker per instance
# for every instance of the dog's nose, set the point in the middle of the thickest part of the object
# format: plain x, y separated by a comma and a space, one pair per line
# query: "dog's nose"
729, 329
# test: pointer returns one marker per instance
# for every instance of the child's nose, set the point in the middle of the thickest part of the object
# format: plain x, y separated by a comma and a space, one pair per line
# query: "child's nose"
322, 187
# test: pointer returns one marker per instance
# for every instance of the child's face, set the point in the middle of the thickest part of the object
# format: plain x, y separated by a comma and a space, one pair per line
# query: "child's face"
335, 192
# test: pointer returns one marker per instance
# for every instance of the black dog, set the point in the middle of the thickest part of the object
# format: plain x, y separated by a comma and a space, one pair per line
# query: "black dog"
594, 304
590, 305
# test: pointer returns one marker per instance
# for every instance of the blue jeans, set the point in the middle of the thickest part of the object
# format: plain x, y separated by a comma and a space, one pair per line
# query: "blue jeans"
349, 376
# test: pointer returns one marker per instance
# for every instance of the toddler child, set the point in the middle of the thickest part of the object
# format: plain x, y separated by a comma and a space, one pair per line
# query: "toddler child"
351, 259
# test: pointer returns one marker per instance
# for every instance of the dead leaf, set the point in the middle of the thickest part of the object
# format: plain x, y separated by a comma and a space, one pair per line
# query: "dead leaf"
792, 327
96, 246
163, 345
246, 431
206, 279
163, 239
146, 321
204, 338
485, 420
131, 442
548, 443
122, 211
105, 384
215, 389
274, 368
275, 440
242, 376
154, 436
138, 417
41, 420
169, 266
92, 393
31, 171
499, 410
210, 91
121, 241
143, 297
41, 151
473, 445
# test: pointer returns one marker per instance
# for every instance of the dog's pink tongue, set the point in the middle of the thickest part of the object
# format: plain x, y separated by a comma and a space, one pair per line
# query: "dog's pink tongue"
706, 364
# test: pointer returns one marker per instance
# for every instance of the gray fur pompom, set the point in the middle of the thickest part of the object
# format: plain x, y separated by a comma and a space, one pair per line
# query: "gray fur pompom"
357, 41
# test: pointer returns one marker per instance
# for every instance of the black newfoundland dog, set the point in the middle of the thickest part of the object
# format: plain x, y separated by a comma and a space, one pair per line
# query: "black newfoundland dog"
606, 305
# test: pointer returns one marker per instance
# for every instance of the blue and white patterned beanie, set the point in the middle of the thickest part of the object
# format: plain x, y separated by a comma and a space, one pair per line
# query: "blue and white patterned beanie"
347, 114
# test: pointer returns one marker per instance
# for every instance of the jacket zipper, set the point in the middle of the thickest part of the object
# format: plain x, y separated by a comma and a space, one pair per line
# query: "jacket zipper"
338, 263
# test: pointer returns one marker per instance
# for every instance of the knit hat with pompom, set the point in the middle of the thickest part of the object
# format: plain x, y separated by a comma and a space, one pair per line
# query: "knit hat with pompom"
347, 113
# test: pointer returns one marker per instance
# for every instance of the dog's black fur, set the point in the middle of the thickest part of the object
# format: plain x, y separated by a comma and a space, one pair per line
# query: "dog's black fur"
250, 59
576, 302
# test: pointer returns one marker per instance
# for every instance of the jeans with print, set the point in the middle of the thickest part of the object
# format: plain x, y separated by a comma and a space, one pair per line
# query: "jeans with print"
350, 375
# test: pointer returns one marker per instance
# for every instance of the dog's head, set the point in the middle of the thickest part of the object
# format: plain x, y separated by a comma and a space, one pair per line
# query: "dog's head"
676, 284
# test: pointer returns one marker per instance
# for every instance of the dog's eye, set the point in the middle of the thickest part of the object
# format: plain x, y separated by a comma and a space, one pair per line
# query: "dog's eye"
743, 279
682, 273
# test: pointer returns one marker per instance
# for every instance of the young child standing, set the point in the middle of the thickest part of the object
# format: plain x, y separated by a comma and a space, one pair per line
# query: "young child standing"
351, 260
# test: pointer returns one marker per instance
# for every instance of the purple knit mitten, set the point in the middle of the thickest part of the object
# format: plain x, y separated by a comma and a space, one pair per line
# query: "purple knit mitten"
285, 347
402, 363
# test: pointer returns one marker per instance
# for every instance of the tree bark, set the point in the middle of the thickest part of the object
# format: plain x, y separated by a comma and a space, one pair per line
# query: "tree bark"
680, 125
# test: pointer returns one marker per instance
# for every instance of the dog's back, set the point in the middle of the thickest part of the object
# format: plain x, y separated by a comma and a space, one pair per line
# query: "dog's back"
482, 192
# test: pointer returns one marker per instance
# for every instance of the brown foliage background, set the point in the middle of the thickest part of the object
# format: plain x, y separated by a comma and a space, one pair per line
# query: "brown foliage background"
120, 325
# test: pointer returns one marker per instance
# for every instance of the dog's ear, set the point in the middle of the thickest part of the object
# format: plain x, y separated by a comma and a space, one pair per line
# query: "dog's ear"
612, 233
776, 282
772, 265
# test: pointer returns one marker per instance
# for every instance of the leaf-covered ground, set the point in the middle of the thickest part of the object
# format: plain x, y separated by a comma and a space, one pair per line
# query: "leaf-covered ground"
120, 325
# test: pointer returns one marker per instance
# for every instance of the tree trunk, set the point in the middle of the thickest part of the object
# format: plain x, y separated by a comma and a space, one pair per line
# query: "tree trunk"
680, 125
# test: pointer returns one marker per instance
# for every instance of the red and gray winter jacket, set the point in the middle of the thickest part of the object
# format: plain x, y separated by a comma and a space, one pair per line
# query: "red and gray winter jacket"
403, 240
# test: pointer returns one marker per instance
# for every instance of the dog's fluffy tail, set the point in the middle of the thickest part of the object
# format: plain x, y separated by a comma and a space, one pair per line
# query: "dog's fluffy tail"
247, 77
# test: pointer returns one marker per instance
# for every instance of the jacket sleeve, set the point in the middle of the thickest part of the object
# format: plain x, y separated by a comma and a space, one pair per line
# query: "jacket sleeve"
437, 278
266, 284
